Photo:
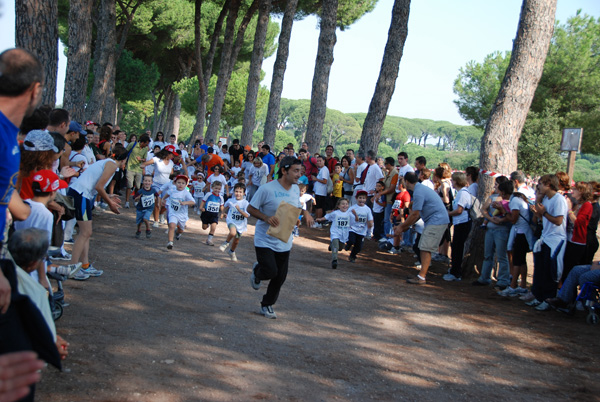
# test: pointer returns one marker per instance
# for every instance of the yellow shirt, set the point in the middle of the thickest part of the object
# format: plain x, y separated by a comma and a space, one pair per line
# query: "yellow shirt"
337, 185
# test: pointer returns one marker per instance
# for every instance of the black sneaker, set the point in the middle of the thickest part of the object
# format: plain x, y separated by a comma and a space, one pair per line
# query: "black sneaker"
148, 234
138, 234
177, 236
253, 280
334, 264
347, 247
170, 245
351, 259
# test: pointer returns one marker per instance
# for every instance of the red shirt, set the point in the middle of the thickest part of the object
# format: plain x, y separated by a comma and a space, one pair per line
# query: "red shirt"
581, 223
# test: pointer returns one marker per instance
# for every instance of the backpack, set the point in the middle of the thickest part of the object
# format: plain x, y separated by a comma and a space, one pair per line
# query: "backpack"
475, 210
536, 227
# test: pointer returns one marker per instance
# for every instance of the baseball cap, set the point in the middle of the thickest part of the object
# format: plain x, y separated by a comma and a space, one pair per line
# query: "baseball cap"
47, 181
248, 148
76, 127
39, 140
170, 148
361, 192
91, 123
181, 176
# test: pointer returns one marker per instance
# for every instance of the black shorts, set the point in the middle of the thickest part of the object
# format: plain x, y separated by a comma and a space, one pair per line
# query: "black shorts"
520, 249
209, 217
322, 201
83, 206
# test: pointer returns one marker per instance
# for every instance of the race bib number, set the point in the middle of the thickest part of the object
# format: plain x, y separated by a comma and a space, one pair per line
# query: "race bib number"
396, 204
175, 204
147, 201
198, 187
343, 222
362, 219
237, 216
212, 206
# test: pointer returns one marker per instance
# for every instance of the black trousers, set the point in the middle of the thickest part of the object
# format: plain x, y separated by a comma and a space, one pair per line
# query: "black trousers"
356, 240
272, 266
461, 232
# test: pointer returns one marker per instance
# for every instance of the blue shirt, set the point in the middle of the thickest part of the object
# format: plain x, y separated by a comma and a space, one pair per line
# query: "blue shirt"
430, 205
147, 200
9, 168
268, 159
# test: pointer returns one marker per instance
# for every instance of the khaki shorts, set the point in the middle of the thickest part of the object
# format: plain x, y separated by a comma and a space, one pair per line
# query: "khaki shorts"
134, 179
430, 239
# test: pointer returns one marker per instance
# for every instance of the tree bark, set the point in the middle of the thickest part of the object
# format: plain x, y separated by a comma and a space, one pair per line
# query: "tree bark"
168, 111
228, 58
104, 59
320, 84
503, 129
204, 74
386, 83
260, 37
78, 58
36, 29
108, 112
283, 51
176, 116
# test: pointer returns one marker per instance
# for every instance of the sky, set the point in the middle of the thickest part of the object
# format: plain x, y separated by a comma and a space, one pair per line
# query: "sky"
442, 37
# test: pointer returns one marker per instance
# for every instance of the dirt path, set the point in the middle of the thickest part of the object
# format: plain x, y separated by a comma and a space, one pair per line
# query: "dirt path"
183, 325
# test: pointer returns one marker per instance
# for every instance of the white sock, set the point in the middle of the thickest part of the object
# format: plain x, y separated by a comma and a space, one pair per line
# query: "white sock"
420, 277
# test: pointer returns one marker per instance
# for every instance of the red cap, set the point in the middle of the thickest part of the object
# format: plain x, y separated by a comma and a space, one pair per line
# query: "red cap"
181, 176
361, 192
48, 181
171, 148
90, 123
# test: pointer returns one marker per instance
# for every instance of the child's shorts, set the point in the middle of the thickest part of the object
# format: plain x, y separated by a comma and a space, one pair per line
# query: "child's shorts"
238, 234
142, 215
209, 217
179, 220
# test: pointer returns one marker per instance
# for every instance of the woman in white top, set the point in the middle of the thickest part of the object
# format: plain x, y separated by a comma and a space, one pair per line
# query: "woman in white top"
90, 183
462, 224
163, 169
159, 140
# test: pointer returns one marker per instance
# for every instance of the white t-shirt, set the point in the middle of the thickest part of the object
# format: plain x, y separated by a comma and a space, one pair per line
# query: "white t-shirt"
258, 173
401, 172
463, 199
555, 206
78, 157
304, 198
374, 174
428, 183
267, 199
185, 155
40, 218
234, 216
162, 171
321, 188
473, 189
340, 224
150, 168
89, 154
161, 144
359, 226
198, 188
174, 201
522, 224
359, 171
220, 178
235, 171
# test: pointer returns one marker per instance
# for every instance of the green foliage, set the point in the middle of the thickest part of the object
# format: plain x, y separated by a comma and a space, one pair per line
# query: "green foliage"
136, 116
477, 87
587, 168
135, 80
539, 145
282, 138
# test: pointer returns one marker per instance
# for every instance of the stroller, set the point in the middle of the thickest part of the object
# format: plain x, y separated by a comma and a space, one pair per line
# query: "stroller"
589, 296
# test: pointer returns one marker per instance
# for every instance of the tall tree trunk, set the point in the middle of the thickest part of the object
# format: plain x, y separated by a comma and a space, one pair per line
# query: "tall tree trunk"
228, 58
36, 29
176, 116
156, 104
320, 84
503, 129
205, 73
78, 58
104, 59
283, 50
108, 112
258, 52
386, 83
168, 111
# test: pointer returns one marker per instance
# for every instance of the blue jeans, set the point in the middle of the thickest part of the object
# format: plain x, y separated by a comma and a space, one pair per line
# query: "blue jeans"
496, 241
387, 223
579, 275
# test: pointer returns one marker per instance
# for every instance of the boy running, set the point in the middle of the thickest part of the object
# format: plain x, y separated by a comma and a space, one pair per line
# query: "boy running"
178, 201
237, 219
361, 218
210, 207
340, 225
146, 198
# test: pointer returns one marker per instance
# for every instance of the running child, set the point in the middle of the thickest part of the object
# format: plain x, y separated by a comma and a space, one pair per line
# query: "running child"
237, 219
198, 187
210, 207
340, 226
361, 219
145, 198
178, 201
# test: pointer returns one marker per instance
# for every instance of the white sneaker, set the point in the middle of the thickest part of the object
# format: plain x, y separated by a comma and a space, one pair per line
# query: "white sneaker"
394, 250
155, 224
170, 245
69, 270
253, 281
508, 291
268, 311
450, 278
209, 242
543, 306
127, 205
417, 265
80, 276
232, 255
224, 246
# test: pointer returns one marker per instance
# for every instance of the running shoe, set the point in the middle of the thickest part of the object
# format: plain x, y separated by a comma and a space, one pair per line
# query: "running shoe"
450, 278
170, 245
527, 297
395, 250
155, 224
178, 235
508, 292
334, 264
80, 276
70, 241
417, 265
268, 311
543, 306
209, 242
232, 255
91, 271
253, 280
127, 205
416, 281
534, 303
317, 225
138, 234
224, 246
148, 234
62, 257
69, 270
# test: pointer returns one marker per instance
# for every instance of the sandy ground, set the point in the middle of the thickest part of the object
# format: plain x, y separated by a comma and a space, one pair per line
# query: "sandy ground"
183, 325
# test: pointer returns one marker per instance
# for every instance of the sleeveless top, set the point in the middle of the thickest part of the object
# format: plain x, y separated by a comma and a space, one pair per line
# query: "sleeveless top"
86, 184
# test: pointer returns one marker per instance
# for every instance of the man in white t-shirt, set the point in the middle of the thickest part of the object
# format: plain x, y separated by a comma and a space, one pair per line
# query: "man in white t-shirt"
518, 179
361, 165
403, 167
320, 187
272, 254
374, 174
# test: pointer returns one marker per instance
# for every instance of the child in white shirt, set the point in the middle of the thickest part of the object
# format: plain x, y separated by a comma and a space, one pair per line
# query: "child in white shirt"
178, 201
237, 219
340, 226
